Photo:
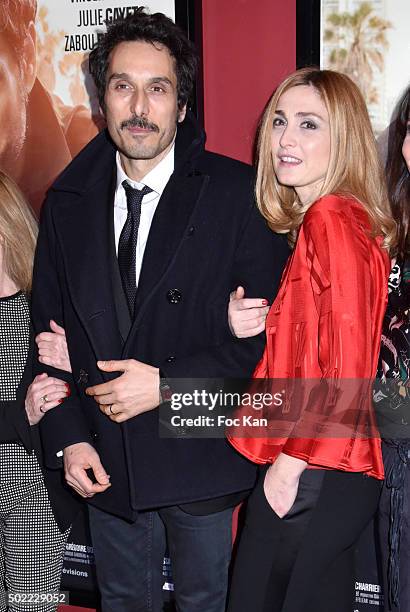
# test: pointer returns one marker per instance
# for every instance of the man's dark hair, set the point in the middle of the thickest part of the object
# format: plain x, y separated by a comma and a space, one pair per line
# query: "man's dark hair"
397, 174
156, 28
15, 18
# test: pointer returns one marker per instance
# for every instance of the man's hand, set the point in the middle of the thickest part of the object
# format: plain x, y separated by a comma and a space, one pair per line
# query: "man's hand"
77, 459
134, 392
282, 483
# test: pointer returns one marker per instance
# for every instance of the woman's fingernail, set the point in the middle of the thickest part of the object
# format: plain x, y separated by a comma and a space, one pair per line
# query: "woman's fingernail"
265, 302
60, 401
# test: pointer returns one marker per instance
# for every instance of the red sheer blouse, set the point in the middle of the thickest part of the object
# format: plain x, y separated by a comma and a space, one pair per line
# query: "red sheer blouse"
325, 323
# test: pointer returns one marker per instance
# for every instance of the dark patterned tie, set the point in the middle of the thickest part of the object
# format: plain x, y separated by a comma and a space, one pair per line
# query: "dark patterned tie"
127, 246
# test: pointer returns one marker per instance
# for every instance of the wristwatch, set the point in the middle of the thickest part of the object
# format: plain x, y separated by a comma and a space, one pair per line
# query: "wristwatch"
165, 390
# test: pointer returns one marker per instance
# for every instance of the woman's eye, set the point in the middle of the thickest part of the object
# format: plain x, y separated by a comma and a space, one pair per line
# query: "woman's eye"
278, 122
309, 125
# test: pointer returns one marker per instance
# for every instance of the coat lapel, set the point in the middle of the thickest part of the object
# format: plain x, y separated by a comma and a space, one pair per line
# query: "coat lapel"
168, 229
88, 252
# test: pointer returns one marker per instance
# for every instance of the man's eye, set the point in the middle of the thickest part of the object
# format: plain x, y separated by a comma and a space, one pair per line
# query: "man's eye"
158, 88
121, 86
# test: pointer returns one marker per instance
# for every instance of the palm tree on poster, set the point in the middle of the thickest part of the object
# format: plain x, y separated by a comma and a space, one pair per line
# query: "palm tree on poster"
360, 40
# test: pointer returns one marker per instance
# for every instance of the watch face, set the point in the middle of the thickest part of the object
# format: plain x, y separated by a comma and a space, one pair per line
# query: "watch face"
166, 392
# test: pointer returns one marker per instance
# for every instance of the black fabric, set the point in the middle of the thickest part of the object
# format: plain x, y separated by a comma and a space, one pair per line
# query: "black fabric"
305, 560
217, 504
127, 245
393, 528
8, 431
206, 238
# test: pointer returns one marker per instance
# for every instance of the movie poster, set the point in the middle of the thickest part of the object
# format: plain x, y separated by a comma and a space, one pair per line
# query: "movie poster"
48, 107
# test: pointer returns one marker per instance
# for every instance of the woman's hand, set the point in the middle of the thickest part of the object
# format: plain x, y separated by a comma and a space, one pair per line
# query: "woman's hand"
52, 348
246, 316
282, 483
44, 393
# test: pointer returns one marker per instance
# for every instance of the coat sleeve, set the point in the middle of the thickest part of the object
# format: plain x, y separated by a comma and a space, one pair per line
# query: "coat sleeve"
258, 264
338, 253
65, 424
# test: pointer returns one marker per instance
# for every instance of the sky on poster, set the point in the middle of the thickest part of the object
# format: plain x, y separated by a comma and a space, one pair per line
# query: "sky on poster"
63, 26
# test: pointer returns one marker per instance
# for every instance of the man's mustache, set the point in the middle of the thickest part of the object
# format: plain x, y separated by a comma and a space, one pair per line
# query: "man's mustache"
140, 122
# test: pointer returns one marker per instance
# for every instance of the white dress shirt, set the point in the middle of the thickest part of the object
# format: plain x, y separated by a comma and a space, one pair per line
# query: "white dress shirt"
156, 180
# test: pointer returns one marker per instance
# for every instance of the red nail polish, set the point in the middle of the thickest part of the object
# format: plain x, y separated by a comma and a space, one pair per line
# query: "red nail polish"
60, 401
265, 302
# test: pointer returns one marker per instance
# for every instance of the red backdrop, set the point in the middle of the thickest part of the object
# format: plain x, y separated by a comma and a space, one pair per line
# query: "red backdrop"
248, 48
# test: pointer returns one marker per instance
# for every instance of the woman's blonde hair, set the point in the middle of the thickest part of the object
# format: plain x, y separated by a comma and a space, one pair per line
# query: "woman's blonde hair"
18, 233
354, 166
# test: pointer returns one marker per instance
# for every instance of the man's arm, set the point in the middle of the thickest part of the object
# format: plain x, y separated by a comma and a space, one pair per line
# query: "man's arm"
260, 258
64, 428
66, 425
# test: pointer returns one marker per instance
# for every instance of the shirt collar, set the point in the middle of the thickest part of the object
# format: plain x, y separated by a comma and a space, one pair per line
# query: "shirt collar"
156, 179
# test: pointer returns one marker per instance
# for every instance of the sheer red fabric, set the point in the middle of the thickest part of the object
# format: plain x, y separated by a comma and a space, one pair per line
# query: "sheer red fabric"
325, 323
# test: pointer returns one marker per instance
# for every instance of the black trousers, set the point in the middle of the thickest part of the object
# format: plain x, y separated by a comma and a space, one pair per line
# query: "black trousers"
394, 463
305, 560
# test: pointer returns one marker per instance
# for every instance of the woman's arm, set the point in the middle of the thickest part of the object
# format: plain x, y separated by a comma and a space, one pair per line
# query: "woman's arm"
52, 348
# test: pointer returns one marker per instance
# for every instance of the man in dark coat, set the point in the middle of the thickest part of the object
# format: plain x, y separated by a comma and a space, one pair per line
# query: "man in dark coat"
147, 289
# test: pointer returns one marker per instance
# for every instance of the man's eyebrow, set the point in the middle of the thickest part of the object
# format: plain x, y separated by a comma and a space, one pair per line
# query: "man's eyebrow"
117, 76
300, 114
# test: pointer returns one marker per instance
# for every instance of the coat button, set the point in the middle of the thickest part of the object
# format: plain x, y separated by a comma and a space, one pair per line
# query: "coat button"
82, 377
170, 359
174, 296
191, 230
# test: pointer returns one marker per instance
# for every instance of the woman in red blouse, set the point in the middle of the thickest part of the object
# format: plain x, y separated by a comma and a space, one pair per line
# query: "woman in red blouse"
318, 180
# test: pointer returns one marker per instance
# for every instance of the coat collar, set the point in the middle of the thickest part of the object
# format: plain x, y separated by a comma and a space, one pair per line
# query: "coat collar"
90, 167
84, 227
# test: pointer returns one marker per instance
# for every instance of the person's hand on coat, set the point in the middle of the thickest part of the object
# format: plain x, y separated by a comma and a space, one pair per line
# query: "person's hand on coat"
52, 348
246, 316
44, 393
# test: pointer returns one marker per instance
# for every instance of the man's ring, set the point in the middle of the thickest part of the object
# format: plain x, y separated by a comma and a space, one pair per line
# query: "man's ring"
110, 409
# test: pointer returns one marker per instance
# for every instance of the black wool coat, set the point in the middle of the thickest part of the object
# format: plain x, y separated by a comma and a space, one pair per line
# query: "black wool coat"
206, 238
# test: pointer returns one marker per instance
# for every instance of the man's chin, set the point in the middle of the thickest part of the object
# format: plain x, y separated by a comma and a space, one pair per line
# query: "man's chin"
140, 152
